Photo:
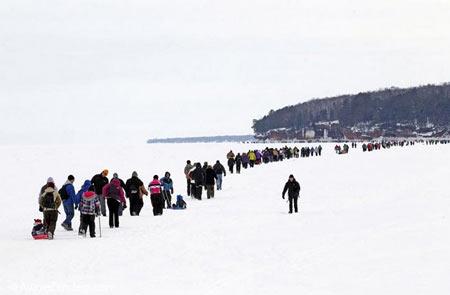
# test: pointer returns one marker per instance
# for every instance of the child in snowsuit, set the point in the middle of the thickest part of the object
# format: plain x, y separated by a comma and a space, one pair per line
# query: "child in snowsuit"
87, 186
89, 208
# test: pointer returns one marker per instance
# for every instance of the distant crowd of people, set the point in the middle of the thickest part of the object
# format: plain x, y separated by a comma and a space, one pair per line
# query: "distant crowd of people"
386, 144
311, 151
437, 141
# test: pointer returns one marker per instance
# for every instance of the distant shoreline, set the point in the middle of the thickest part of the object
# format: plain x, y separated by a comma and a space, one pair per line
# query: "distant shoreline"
205, 139
253, 139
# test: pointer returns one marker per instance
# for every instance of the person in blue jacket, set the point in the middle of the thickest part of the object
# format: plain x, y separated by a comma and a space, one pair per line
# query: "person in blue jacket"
67, 193
167, 189
86, 185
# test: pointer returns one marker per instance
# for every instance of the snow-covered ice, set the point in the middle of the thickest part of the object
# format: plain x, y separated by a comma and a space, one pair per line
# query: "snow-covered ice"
369, 223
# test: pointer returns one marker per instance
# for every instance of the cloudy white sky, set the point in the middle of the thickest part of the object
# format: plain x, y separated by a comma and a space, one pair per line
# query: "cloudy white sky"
127, 70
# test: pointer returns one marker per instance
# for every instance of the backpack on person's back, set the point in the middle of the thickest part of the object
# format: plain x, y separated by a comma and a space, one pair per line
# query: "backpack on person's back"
49, 200
134, 191
63, 192
114, 192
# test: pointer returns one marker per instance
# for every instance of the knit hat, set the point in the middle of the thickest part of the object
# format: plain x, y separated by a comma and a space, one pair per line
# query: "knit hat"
134, 174
89, 194
291, 176
50, 180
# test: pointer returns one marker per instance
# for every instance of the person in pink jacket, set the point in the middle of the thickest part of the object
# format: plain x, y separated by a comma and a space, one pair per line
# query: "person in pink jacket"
155, 196
115, 196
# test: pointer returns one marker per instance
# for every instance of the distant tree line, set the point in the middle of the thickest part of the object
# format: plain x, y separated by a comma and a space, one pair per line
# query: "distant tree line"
430, 103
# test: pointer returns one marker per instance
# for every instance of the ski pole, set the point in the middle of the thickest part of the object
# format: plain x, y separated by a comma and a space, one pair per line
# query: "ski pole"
100, 225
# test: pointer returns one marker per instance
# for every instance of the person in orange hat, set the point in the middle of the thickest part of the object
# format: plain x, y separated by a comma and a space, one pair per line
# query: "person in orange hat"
99, 181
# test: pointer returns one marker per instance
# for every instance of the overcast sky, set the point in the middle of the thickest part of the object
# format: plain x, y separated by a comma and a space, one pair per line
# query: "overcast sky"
110, 71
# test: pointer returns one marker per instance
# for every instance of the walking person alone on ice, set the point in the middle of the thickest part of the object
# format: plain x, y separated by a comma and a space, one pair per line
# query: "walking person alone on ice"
292, 187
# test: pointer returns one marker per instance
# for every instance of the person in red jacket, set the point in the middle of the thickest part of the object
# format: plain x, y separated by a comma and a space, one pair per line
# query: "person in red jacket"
155, 196
114, 194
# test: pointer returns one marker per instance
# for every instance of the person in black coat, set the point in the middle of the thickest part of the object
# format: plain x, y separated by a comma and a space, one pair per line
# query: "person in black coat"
99, 181
198, 179
238, 161
231, 163
135, 189
210, 181
292, 187
220, 172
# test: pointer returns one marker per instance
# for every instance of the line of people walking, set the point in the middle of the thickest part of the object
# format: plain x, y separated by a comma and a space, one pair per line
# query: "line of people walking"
99, 196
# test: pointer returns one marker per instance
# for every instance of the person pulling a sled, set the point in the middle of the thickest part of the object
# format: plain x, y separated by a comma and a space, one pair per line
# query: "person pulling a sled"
50, 201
